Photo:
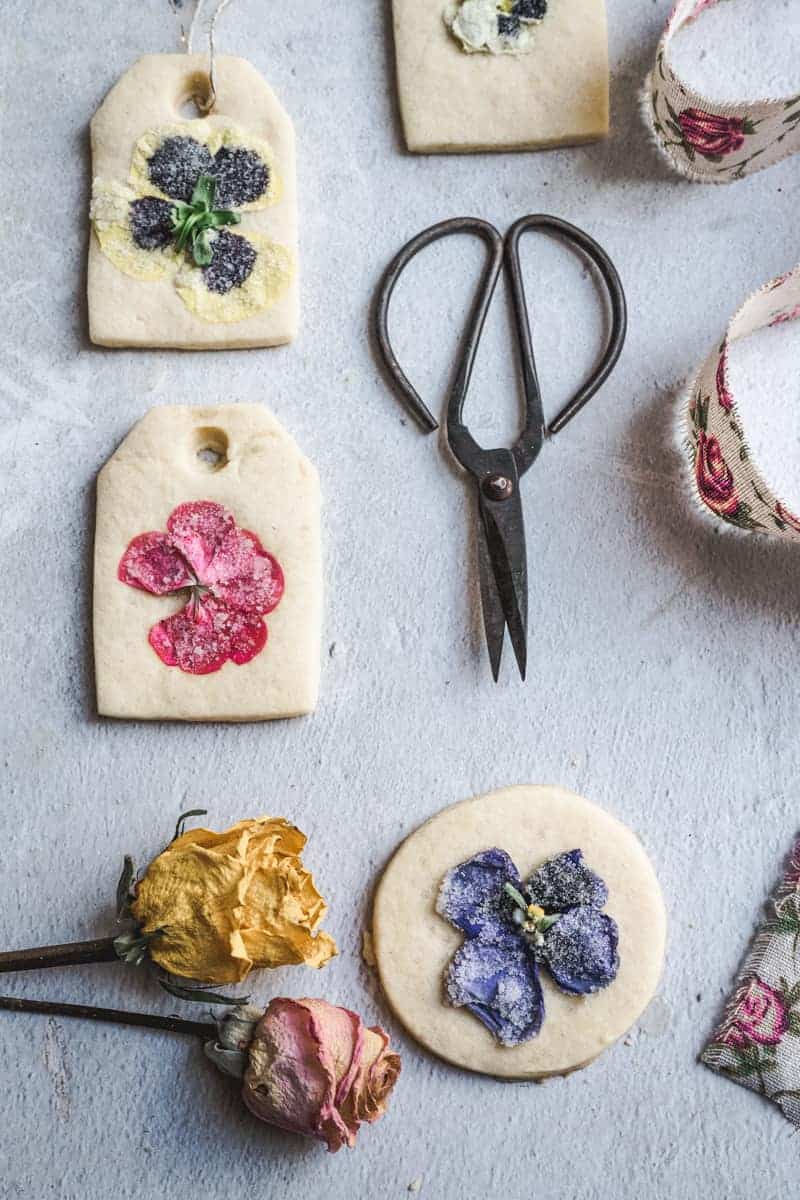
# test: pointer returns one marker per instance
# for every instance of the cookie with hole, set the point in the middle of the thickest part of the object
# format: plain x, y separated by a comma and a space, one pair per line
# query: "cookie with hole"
207, 572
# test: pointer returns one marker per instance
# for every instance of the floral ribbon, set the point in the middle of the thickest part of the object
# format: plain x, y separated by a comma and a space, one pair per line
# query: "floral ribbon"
726, 479
757, 1043
713, 142
707, 140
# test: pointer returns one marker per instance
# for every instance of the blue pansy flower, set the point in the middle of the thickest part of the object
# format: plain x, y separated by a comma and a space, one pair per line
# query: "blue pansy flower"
554, 919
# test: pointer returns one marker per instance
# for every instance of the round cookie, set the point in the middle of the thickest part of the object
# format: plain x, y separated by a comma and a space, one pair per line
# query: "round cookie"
413, 944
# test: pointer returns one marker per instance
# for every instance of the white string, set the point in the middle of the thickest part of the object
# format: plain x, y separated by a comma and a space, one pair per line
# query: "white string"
206, 103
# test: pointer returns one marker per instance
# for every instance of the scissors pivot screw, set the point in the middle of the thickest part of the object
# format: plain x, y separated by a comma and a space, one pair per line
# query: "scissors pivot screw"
497, 487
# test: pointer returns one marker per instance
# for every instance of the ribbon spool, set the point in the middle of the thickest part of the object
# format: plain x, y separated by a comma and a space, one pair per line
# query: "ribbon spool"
710, 141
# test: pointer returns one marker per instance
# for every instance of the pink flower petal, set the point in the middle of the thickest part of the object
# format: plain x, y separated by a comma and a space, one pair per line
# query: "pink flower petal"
247, 636
234, 582
205, 634
301, 1081
196, 639
153, 564
161, 639
244, 575
198, 529
337, 1032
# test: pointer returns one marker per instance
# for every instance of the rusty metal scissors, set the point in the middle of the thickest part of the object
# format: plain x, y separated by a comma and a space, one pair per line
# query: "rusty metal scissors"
497, 473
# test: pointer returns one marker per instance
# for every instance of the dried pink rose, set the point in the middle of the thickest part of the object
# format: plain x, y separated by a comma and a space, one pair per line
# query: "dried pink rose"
233, 582
316, 1069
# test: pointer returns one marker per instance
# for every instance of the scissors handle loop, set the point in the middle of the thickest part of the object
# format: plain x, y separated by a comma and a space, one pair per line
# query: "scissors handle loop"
466, 450
530, 441
483, 299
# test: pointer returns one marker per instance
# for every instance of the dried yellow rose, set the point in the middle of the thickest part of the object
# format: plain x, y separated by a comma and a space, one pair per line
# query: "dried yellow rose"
216, 905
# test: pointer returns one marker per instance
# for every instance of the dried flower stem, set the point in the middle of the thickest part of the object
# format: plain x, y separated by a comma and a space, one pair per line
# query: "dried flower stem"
68, 955
201, 1029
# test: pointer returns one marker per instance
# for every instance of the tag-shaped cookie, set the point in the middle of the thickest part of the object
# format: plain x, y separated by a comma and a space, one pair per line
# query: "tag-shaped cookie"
207, 571
501, 74
194, 223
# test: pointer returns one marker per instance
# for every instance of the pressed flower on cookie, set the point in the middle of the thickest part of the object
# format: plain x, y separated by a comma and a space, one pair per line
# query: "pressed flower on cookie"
188, 184
229, 581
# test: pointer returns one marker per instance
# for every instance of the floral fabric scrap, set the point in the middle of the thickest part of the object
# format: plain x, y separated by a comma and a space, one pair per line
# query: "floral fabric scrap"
554, 919
758, 1041
231, 580
176, 171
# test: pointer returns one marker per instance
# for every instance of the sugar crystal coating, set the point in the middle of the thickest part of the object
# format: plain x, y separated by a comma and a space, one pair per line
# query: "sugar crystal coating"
177, 164
179, 161
204, 635
581, 950
231, 581
508, 25
565, 881
155, 565
472, 897
241, 176
499, 984
554, 920
233, 259
198, 529
244, 575
151, 222
530, 10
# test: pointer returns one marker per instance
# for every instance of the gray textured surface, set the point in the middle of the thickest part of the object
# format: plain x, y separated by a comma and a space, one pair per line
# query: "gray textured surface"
663, 654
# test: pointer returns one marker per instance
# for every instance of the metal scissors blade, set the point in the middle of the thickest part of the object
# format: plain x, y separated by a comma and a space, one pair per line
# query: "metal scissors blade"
503, 567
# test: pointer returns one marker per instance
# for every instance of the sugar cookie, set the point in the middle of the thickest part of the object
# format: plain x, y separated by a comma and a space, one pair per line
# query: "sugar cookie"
529, 75
613, 878
194, 224
207, 582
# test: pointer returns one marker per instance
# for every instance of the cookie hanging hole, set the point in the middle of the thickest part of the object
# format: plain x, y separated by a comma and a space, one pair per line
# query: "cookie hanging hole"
200, 96
211, 449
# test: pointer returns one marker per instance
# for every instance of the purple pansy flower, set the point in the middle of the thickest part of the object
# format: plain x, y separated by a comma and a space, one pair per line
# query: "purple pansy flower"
554, 919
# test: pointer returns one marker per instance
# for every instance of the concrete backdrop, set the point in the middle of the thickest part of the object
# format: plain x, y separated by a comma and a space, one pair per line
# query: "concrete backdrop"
663, 653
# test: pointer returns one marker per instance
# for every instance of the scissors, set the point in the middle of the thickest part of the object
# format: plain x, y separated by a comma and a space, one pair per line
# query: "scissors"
497, 473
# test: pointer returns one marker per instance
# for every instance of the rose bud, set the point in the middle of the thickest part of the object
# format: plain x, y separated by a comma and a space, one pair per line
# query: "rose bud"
312, 1068
213, 906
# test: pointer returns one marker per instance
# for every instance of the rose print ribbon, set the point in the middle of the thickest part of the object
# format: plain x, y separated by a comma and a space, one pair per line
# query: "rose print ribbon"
713, 142
757, 1042
727, 480
704, 139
